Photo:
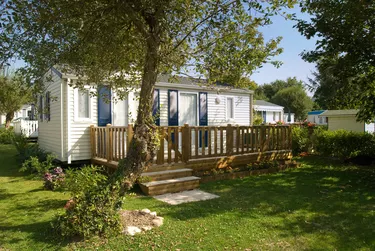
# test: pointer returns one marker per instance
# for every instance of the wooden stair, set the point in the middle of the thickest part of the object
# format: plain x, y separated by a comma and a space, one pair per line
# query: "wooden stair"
169, 181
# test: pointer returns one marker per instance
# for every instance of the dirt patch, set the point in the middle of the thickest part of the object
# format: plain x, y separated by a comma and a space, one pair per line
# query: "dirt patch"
136, 218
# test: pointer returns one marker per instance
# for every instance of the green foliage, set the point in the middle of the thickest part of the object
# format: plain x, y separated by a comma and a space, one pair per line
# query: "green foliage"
6, 136
78, 180
258, 119
300, 140
27, 150
93, 207
269, 90
294, 99
35, 166
344, 144
345, 35
13, 94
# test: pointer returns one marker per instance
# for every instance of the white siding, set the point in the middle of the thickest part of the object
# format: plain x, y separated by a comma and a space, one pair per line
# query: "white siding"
346, 122
78, 146
49, 137
216, 111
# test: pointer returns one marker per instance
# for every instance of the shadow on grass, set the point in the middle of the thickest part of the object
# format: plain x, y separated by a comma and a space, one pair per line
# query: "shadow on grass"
40, 232
317, 198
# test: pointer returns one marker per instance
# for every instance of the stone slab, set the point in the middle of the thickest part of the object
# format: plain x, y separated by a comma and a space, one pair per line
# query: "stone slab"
185, 197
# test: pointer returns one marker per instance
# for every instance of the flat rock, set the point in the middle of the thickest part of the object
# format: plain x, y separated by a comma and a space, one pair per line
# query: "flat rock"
145, 211
158, 221
185, 196
131, 230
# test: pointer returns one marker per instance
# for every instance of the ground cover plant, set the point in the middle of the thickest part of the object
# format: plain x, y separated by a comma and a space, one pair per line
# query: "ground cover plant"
323, 205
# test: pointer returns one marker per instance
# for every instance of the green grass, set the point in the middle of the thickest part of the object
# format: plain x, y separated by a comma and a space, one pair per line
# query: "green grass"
321, 206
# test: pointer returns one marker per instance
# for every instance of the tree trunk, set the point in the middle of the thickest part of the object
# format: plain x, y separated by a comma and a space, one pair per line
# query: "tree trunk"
8, 118
142, 148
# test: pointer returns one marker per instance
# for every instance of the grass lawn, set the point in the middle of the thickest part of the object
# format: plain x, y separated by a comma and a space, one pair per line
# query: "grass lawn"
321, 206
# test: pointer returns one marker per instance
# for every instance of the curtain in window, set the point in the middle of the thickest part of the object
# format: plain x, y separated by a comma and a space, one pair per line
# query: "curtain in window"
83, 104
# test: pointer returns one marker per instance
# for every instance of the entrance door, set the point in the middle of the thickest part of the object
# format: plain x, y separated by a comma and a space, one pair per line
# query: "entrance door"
188, 109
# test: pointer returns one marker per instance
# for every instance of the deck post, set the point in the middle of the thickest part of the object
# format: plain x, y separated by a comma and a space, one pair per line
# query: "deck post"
262, 137
108, 143
92, 141
186, 147
229, 136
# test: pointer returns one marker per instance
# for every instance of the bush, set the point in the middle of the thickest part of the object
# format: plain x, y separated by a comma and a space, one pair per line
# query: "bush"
54, 179
34, 165
93, 208
6, 136
27, 150
300, 140
344, 144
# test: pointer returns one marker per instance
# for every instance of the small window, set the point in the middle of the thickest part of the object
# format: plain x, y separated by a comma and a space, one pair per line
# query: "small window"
40, 108
47, 107
83, 104
274, 116
230, 108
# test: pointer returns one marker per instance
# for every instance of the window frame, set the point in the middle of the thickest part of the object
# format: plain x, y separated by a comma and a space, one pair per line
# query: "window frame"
233, 107
76, 106
197, 105
47, 106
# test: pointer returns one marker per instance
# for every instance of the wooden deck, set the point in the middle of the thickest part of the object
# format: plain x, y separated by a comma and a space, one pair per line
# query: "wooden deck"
197, 147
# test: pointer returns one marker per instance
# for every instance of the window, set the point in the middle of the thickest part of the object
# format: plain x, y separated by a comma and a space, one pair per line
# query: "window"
230, 108
83, 99
47, 107
40, 108
274, 116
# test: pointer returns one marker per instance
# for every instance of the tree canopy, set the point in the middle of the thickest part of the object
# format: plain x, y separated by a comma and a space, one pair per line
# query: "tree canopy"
294, 99
345, 32
13, 95
268, 91
289, 93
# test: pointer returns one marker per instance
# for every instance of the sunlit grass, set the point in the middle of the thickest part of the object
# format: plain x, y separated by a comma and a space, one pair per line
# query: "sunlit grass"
321, 206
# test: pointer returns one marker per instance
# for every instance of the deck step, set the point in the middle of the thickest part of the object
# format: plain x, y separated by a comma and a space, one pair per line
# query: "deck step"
168, 174
170, 185
165, 167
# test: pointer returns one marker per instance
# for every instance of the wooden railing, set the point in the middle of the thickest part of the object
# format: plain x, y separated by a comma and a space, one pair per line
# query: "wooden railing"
182, 143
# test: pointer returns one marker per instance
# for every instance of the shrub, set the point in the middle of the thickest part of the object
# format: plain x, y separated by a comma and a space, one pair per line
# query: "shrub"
300, 140
93, 208
6, 136
27, 150
54, 179
34, 165
344, 144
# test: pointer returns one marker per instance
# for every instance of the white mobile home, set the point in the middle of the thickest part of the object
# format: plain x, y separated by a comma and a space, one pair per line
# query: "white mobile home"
270, 113
64, 126
347, 120
314, 117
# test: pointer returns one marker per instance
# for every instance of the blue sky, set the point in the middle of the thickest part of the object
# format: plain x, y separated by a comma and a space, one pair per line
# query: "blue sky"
293, 43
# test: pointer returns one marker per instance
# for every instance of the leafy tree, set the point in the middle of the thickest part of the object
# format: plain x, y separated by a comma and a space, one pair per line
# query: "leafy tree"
267, 91
294, 99
345, 31
13, 94
128, 43
331, 92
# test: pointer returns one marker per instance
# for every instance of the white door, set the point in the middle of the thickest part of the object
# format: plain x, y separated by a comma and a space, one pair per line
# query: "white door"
188, 109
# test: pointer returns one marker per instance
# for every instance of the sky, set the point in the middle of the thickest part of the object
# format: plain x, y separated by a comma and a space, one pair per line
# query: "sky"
293, 44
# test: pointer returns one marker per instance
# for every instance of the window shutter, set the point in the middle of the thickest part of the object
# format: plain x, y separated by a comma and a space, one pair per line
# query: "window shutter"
41, 108
172, 107
203, 116
104, 106
47, 107
156, 107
